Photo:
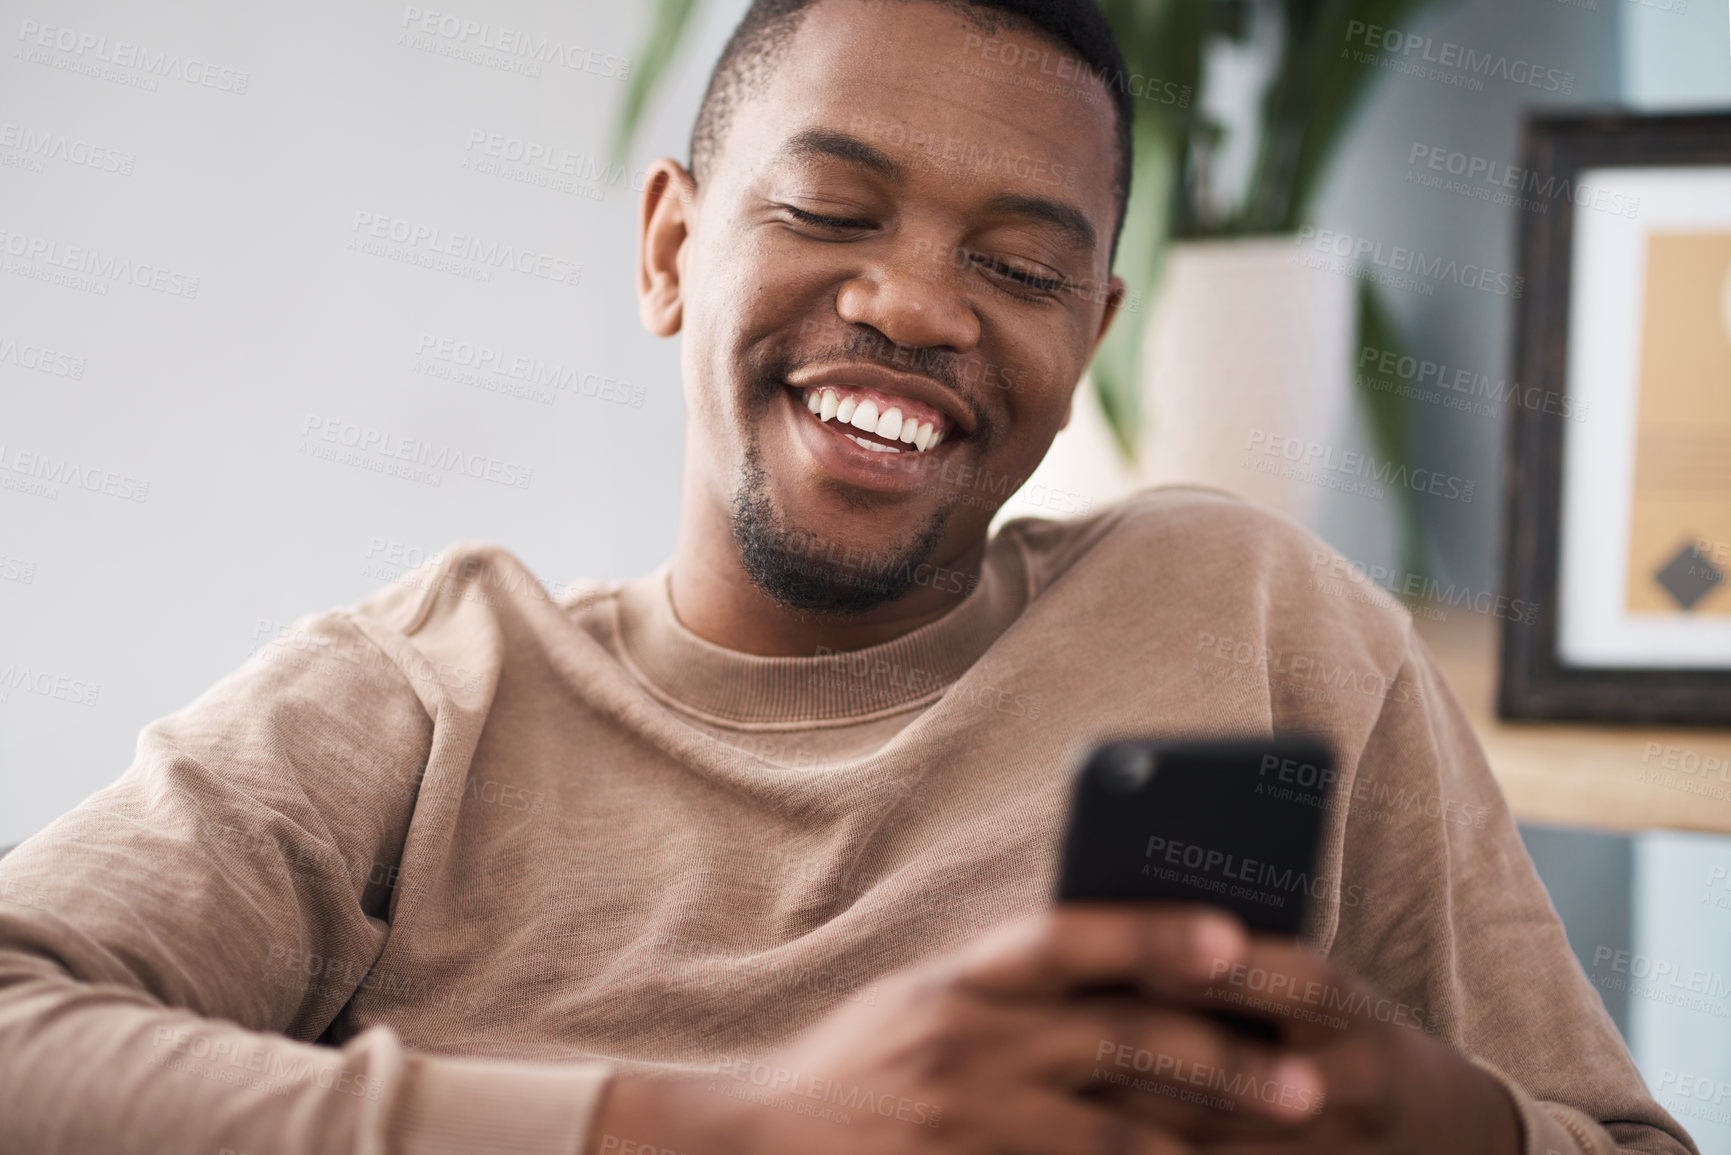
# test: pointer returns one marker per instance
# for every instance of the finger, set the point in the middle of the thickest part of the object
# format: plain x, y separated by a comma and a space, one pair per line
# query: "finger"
1167, 949
1181, 1065
1063, 1125
1311, 1001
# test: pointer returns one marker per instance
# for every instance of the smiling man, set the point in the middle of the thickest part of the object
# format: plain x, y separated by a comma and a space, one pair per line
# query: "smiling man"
754, 853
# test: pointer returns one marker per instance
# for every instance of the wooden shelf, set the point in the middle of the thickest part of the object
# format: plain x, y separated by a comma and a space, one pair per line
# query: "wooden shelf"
1610, 777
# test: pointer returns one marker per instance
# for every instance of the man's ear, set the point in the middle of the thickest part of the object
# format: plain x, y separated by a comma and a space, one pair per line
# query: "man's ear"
1116, 292
663, 224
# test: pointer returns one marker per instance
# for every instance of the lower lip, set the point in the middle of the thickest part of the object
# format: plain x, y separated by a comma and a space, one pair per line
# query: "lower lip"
848, 460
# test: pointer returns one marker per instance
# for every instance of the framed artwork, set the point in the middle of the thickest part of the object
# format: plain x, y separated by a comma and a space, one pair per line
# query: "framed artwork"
1618, 467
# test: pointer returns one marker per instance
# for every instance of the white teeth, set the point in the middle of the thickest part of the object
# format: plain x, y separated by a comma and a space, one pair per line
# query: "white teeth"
872, 445
863, 414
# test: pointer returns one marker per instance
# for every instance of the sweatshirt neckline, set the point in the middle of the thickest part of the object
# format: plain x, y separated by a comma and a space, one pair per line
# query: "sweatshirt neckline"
852, 685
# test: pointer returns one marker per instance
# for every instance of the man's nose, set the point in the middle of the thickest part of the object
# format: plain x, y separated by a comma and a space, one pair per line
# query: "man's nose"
916, 296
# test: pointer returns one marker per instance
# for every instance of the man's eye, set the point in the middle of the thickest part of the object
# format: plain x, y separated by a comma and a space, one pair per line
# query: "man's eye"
841, 224
1023, 276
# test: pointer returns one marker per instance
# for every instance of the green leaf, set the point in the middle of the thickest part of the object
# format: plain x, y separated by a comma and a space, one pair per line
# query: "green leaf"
667, 29
1315, 93
1388, 414
1116, 367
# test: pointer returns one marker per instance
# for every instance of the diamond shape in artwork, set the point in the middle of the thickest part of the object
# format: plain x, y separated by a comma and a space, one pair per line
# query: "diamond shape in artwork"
1689, 577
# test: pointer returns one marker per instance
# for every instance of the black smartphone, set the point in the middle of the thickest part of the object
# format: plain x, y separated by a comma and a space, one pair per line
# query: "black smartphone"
1235, 823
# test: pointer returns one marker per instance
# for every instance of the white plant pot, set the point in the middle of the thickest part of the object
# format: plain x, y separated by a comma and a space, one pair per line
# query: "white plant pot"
1247, 350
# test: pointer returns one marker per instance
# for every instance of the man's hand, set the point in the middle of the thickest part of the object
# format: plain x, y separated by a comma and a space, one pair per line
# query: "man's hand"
1000, 1048
1390, 1086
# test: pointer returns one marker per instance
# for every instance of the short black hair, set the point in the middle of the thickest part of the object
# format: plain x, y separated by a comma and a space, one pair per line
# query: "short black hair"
754, 51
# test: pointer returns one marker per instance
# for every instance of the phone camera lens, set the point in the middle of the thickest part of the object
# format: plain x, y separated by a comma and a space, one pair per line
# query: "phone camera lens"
1128, 769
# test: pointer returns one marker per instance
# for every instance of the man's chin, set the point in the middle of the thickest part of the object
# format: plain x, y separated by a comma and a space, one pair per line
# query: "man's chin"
815, 572
803, 568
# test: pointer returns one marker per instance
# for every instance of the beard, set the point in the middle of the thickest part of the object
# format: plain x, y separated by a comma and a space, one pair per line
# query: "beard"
802, 571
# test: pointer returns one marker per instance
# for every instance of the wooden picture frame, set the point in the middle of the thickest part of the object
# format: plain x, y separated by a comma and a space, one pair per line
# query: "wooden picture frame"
1536, 681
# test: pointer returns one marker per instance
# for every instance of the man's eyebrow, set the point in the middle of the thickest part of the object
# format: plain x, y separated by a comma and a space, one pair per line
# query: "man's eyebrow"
828, 144
1068, 218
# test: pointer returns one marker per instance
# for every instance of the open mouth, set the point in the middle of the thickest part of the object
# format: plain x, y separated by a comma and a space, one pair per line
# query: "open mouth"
876, 421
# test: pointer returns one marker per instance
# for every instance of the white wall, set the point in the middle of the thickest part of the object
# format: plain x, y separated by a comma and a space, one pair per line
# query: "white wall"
192, 408
1676, 54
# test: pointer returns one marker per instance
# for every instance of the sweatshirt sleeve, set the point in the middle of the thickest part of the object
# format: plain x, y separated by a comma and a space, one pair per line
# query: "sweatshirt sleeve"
1458, 929
172, 949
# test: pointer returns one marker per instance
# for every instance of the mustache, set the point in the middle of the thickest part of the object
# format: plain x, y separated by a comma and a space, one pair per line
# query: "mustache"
941, 366
938, 365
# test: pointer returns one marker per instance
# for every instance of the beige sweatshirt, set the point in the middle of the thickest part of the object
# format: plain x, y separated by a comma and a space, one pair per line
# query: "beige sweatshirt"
425, 870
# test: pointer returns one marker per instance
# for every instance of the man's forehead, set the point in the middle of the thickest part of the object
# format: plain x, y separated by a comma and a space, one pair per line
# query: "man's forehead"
923, 82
